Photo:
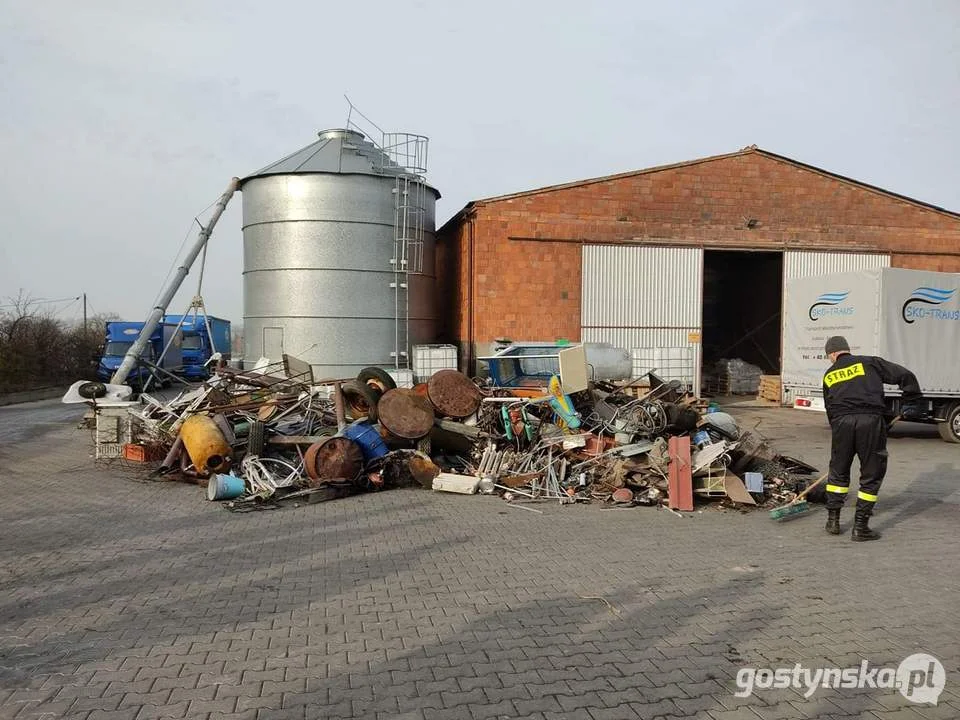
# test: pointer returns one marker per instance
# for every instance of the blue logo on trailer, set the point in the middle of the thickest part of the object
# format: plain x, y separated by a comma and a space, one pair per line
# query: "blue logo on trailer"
829, 304
913, 309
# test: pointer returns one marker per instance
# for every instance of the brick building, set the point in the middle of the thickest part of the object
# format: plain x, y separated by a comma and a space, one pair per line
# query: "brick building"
687, 255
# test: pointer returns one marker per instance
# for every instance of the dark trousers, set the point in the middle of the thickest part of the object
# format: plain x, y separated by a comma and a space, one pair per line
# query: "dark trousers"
866, 437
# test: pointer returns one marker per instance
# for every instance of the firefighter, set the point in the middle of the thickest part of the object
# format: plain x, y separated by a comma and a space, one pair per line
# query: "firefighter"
854, 399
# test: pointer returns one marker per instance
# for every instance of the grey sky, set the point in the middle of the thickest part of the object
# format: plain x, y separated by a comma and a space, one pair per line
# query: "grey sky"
120, 120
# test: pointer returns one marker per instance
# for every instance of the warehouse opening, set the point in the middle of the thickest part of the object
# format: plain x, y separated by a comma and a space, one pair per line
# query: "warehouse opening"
742, 302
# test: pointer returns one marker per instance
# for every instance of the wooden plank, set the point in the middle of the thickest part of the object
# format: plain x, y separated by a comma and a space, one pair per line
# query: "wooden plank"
680, 479
736, 490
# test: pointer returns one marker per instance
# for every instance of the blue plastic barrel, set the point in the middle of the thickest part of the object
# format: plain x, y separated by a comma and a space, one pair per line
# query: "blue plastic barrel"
367, 437
224, 487
701, 438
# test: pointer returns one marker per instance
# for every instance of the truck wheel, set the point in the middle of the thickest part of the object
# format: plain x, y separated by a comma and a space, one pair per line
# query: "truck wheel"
378, 378
950, 428
360, 400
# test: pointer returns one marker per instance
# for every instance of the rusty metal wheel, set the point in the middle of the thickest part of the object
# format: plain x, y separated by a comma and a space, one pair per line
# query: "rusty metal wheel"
360, 400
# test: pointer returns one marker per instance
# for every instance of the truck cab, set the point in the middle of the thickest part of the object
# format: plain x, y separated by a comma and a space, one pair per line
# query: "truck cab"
198, 347
119, 337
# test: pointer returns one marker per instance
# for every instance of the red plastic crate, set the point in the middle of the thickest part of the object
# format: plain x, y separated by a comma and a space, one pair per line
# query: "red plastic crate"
136, 452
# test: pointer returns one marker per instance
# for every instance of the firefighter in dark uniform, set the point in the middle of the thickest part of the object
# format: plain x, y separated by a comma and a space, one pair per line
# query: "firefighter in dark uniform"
853, 395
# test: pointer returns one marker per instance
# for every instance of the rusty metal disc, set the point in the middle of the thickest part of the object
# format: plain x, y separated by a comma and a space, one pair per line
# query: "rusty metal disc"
310, 461
453, 394
337, 458
405, 414
421, 389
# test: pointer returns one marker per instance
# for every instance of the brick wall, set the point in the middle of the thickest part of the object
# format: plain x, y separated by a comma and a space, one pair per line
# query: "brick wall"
937, 263
526, 279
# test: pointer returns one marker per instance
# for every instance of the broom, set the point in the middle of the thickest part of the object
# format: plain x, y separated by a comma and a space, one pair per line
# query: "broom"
798, 505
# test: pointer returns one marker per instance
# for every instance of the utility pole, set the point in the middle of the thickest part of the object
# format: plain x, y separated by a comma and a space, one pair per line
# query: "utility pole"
84, 313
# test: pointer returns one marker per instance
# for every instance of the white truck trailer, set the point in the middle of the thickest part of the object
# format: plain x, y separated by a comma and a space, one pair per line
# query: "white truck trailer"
910, 317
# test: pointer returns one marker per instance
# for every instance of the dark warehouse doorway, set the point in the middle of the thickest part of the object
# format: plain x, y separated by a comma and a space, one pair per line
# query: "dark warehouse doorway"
742, 301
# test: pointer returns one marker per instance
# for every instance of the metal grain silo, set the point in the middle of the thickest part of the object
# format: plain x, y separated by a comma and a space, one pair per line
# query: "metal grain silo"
338, 254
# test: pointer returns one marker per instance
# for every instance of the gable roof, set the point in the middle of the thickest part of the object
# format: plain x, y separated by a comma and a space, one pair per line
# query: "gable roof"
749, 150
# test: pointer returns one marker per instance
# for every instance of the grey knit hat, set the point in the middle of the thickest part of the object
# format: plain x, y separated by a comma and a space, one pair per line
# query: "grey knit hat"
837, 343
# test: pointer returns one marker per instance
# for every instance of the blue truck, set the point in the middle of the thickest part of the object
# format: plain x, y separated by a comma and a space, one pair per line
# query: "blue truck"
121, 334
199, 345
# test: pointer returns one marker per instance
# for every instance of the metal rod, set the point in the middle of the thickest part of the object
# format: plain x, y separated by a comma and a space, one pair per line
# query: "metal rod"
136, 350
522, 507
338, 405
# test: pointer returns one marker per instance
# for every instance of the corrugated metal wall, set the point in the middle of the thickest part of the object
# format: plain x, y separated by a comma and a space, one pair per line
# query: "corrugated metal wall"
638, 297
805, 264
643, 298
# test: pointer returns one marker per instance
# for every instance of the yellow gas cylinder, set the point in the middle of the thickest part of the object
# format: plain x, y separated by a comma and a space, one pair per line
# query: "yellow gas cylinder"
205, 444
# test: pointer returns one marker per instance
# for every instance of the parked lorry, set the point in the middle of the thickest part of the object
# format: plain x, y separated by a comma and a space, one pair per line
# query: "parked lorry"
120, 335
911, 317
199, 345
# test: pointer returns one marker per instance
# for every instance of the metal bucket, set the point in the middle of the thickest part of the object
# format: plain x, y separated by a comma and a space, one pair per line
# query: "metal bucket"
224, 487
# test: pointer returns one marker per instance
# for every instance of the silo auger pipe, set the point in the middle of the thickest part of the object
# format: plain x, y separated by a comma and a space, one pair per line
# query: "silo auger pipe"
136, 350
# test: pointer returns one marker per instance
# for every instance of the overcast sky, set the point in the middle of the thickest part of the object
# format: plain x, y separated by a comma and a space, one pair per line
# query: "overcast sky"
121, 120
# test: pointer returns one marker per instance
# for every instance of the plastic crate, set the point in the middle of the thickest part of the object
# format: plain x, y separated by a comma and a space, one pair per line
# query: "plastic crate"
108, 451
403, 377
137, 452
429, 359
114, 429
670, 363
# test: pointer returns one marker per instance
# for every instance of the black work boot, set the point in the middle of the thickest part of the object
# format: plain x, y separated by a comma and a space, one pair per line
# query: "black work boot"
833, 521
861, 532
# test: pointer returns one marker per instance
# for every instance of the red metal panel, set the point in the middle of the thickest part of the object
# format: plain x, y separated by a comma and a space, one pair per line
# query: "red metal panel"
680, 477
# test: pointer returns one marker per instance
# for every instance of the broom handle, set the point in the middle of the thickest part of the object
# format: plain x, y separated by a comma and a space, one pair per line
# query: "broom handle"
809, 487
823, 477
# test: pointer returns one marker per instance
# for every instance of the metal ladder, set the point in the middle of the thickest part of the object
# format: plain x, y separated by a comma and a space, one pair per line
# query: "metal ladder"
404, 157
407, 258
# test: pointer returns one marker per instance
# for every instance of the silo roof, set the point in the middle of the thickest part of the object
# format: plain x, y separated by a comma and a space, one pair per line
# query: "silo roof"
338, 151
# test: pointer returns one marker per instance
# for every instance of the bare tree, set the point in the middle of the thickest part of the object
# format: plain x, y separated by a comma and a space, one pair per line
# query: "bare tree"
37, 349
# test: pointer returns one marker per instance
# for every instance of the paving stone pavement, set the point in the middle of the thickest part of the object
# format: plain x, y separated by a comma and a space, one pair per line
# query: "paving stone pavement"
130, 599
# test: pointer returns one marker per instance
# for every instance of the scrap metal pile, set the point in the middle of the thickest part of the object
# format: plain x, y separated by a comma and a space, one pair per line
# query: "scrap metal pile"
260, 436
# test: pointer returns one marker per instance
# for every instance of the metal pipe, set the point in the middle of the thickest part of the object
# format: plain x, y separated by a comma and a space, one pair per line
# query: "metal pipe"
133, 354
338, 405
471, 339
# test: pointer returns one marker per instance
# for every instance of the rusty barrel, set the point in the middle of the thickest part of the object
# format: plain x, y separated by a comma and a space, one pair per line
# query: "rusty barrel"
453, 394
405, 414
336, 458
